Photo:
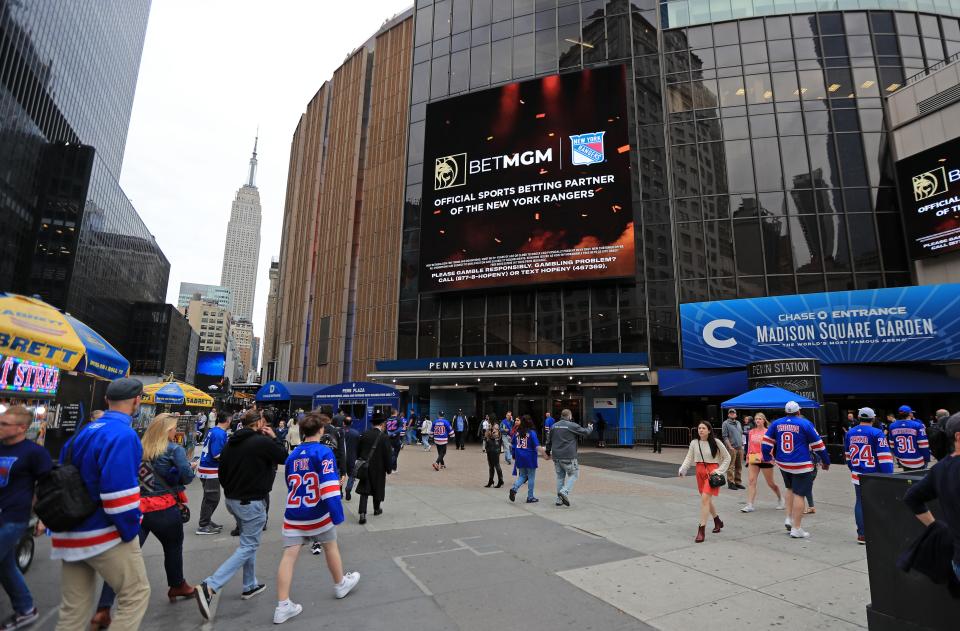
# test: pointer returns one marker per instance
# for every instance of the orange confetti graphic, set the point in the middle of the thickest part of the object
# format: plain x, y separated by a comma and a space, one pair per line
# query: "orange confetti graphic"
623, 148
541, 115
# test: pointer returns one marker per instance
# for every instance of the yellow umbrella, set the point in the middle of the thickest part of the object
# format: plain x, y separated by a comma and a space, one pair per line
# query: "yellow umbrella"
175, 393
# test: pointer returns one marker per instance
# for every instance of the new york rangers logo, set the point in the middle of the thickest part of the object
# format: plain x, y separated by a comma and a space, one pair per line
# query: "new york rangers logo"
587, 148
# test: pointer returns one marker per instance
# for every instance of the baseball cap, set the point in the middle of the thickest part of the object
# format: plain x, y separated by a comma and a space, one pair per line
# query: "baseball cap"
791, 407
905, 409
866, 413
123, 389
731, 410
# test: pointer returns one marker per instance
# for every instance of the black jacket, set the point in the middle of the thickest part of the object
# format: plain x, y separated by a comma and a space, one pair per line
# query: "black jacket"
248, 465
379, 463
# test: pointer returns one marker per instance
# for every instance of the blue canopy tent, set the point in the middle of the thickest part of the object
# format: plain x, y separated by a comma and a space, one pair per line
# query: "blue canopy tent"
768, 397
359, 399
294, 393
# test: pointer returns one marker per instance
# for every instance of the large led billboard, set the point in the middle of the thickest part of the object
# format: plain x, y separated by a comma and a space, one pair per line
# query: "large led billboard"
211, 364
930, 199
528, 183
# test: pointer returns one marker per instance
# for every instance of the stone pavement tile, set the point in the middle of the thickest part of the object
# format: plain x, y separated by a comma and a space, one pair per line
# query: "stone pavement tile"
649, 587
742, 563
498, 508
414, 614
648, 539
857, 566
455, 570
830, 542
837, 591
582, 514
545, 604
752, 611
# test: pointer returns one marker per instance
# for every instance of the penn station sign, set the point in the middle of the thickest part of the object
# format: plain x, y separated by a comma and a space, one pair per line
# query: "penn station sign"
502, 364
867, 326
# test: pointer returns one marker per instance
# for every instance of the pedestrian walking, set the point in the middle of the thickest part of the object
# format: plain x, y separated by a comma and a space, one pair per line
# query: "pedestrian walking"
715, 460
208, 472
491, 447
293, 434
442, 433
426, 430
506, 436
164, 474
561, 445
657, 433
484, 427
107, 453
601, 426
312, 513
247, 470
461, 425
375, 452
24, 462
351, 439
866, 451
758, 465
908, 441
394, 428
413, 424
548, 422
339, 417
525, 444
790, 441
732, 433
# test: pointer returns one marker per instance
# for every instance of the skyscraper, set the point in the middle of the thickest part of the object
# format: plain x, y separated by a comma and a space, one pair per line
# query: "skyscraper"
242, 247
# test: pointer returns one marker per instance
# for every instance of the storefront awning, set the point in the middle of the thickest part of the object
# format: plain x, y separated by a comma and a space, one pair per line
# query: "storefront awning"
506, 366
286, 390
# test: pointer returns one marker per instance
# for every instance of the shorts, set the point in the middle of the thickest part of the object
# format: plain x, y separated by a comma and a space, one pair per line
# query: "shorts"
704, 469
327, 536
764, 465
799, 483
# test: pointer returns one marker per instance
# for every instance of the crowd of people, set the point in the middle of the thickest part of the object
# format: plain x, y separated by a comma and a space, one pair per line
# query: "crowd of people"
137, 487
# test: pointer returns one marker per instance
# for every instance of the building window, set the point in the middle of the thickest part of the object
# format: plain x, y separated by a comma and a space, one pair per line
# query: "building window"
323, 341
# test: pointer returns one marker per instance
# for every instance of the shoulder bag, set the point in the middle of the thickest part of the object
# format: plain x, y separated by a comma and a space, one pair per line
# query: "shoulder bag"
361, 468
147, 469
716, 480
63, 501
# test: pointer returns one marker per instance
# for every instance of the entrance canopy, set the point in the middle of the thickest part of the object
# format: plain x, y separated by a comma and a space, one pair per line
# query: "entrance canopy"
287, 390
768, 397
371, 393
505, 367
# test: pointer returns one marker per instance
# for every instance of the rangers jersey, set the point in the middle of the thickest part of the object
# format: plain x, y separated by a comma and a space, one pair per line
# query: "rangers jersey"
394, 426
867, 451
908, 440
442, 431
792, 440
213, 443
313, 485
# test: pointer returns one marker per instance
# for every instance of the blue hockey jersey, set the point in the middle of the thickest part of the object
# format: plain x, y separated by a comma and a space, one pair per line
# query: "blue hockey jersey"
791, 440
213, 444
442, 431
394, 426
313, 485
908, 441
867, 451
108, 453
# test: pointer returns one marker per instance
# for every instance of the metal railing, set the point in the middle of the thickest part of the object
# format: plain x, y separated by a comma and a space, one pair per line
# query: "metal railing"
931, 69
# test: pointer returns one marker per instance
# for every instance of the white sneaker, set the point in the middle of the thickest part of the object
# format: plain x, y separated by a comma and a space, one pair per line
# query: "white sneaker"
780, 504
284, 613
788, 524
799, 533
350, 580
747, 509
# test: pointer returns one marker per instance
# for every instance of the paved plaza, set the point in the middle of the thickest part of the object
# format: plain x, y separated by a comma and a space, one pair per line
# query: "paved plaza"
450, 554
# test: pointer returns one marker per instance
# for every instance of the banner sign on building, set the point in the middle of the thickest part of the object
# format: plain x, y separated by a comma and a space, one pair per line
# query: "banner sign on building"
900, 324
514, 362
930, 199
528, 183
24, 375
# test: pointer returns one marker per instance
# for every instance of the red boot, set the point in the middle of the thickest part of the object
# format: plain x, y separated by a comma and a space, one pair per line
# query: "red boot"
717, 524
701, 534
101, 619
183, 590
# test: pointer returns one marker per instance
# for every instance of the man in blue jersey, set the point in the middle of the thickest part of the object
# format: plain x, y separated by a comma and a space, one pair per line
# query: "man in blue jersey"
867, 452
460, 425
312, 514
548, 422
208, 472
394, 429
790, 441
908, 441
506, 426
442, 433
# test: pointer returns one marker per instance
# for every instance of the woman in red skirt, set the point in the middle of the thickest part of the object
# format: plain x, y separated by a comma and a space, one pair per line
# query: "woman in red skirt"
710, 456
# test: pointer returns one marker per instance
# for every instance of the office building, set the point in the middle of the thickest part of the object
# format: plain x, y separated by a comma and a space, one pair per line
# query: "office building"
211, 293
212, 324
241, 249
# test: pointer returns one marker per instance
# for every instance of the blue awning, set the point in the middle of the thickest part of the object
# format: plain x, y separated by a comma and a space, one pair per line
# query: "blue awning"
286, 390
684, 382
768, 397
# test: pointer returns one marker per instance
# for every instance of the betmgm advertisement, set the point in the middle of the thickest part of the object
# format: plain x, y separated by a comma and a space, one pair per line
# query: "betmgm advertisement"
930, 198
528, 183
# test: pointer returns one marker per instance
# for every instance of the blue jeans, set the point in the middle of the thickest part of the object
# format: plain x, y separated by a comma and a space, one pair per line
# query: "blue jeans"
10, 576
567, 473
426, 441
507, 455
525, 475
858, 511
251, 516
411, 435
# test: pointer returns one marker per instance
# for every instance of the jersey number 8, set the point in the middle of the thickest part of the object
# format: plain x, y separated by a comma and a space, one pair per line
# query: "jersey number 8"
786, 442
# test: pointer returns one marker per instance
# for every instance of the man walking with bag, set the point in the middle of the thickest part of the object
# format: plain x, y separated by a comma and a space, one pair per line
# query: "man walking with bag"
561, 445
107, 453
372, 467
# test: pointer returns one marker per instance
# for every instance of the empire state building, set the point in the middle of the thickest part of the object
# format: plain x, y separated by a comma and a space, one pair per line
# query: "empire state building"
242, 248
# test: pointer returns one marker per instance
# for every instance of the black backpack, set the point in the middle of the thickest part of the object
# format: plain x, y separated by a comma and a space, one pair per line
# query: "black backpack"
940, 446
63, 501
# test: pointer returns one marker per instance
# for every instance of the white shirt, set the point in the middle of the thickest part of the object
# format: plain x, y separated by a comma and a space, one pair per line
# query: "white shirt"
485, 425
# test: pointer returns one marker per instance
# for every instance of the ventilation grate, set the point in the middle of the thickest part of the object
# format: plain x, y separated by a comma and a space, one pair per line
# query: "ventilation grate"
939, 100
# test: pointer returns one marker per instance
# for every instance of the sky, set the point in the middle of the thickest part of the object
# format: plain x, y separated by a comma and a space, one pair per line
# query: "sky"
212, 72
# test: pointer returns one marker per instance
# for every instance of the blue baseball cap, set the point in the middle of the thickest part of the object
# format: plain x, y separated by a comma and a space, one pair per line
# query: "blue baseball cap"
905, 409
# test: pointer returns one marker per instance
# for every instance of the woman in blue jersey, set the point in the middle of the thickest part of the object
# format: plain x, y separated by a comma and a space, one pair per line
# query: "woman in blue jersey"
525, 445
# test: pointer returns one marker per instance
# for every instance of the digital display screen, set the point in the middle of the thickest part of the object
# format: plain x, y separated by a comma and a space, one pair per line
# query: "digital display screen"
528, 183
930, 199
211, 364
